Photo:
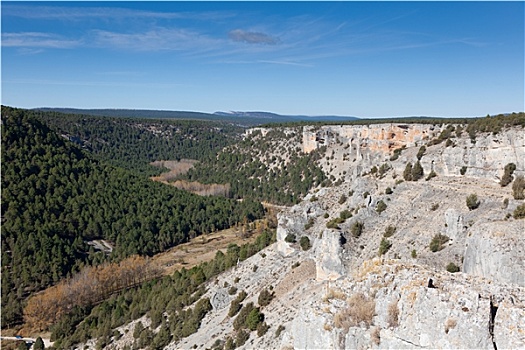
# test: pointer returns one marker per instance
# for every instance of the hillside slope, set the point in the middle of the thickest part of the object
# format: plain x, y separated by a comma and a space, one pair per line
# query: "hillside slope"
56, 198
378, 260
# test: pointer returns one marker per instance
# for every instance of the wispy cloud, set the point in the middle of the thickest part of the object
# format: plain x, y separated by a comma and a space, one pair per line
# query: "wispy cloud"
240, 35
93, 83
153, 40
301, 41
287, 63
79, 13
37, 40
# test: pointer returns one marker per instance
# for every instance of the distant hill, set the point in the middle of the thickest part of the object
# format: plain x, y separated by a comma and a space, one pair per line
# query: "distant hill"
246, 119
134, 113
267, 117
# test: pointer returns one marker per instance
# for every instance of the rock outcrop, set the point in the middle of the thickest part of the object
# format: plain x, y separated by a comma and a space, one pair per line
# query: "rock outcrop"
458, 312
346, 293
496, 251
328, 256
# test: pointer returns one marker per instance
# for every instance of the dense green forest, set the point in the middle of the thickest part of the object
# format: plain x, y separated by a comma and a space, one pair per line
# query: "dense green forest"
276, 180
132, 143
56, 197
482, 124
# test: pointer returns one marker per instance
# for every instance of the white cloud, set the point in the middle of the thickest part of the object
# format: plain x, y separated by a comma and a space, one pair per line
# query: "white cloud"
154, 40
37, 40
79, 13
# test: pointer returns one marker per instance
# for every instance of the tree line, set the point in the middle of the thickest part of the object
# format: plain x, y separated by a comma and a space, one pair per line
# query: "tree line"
86, 288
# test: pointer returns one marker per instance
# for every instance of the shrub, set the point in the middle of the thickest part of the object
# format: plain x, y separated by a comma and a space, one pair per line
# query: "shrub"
242, 337
229, 344
232, 290
326, 216
434, 207
357, 228
393, 314
507, 175
381, 207
360, 309
290, 238
397, 153
518, 187
262, 328
39, 344
309, 224
472, 202
505, 203
421, 152
334, 223
384, 246
519, 212
438, 242
236, 305
304, 242
388, 190
279, 330
342, 199
265, 297
366, 194
240, 320
345, 214
254, 318
139, 327
431, 175
413, 254
407, 174
389, 231
463, 170
417, 171
313, 199
383, 169
452, 268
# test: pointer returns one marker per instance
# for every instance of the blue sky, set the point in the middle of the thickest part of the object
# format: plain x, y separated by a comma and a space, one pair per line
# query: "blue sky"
367, 59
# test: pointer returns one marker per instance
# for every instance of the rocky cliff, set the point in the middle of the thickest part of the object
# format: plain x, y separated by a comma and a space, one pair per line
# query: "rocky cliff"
393, 263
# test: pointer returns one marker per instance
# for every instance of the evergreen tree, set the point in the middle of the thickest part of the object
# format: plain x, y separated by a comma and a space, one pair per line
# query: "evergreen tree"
417, 171
407, 174
39, 344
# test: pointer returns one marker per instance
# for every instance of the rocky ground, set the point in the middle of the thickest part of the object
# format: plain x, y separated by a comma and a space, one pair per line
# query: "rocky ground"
344, 293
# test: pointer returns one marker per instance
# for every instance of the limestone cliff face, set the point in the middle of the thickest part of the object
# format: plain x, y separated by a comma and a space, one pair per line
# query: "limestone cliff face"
493, 251
376, 137
458, 312
486, 158
369, 145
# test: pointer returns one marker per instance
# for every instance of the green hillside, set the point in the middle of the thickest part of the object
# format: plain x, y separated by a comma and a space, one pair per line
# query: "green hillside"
132, 143
56, 197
